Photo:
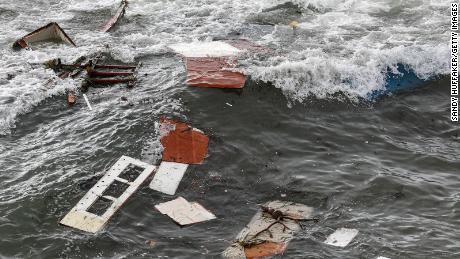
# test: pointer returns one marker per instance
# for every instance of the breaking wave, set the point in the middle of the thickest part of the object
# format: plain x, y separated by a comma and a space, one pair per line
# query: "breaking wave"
338, 47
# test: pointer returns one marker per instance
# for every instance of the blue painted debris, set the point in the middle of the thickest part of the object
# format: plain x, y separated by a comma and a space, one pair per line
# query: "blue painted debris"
403, 81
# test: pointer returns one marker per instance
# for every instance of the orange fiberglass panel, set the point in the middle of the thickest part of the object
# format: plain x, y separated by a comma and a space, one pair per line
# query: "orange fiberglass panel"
213, 72
264, 249
182, 143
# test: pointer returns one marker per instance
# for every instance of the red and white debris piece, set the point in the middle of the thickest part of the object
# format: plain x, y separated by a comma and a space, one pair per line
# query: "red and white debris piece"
49, 32
182, 143
213, 64
184, 212
264, 236
341, 237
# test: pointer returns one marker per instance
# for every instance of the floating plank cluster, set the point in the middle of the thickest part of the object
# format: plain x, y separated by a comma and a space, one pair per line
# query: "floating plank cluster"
270, 230
130, 173
49, 32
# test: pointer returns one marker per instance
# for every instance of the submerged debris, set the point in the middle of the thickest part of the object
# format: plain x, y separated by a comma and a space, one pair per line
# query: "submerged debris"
182, 143
270, 230
114, 20
49, 32
184, 212
101, 202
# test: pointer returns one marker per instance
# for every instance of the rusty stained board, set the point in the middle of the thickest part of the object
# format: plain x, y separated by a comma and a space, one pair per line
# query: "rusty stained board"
80, 218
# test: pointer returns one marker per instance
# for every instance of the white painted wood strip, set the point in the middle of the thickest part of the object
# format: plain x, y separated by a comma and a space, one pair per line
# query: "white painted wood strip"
184, 212
122, 180
341, 237
87, 102
80, 218
205, 49
381, 257
168, 177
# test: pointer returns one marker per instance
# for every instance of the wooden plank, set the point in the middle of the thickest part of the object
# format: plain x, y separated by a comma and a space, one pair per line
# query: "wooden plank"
80, 218
184, 212
168, 177
114, 20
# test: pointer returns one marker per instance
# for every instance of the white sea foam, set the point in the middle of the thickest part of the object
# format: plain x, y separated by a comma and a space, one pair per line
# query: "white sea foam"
340, 46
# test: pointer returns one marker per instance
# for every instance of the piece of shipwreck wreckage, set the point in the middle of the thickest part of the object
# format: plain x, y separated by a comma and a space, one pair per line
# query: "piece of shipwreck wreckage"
96, 73
51, 32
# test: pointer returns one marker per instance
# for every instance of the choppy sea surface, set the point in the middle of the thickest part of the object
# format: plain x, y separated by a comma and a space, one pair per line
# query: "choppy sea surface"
301, 130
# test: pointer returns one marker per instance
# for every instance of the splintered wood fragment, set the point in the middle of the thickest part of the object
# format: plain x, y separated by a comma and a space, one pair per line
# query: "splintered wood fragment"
127, 168
267, 236
184, 212
341, 237
114, 20
49, 32
168, 177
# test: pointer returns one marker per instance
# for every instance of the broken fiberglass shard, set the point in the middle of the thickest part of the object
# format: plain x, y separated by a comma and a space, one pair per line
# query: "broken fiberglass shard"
168, 177
49, 32
211, 64
182, 143
264, 235
341, 237
184, 212
213, 73
114, 20
127, 174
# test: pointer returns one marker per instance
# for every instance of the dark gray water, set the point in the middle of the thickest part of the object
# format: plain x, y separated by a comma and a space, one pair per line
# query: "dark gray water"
389, 169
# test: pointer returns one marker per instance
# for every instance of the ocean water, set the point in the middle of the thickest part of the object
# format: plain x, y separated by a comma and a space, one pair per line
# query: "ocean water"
303, 129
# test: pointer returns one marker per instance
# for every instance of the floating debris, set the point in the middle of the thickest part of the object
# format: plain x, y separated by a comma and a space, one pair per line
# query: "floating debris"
381, 257
270, 230
341, 237
182, 143
168, 177
114, 20
214, 73
184, 212
213, 64
87, 102
205, 49
49, 32
101, 202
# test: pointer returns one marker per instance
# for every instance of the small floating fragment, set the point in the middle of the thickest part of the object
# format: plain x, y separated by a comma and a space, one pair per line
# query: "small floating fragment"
382, 257
114, 20
270, 230
49, 32
182, 143
341, 237
87, 102
184, 212
168, 177
101, 202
